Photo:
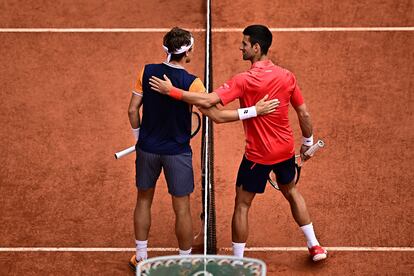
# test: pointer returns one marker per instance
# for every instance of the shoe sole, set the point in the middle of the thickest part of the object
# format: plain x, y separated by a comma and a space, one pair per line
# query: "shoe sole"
319, 257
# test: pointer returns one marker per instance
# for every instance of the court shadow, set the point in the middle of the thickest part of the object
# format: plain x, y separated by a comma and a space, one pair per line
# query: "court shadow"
308, 263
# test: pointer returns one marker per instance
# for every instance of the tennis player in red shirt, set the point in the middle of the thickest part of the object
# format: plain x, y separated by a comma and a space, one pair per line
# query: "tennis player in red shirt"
269, 139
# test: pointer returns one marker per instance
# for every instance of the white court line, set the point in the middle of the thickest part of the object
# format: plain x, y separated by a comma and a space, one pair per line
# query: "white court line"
333, 248
198, 30
171, 249
92, 30
81, 249
323, 29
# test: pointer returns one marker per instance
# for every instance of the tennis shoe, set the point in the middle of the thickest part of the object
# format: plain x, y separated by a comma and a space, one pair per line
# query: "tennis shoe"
133, 263
318, 253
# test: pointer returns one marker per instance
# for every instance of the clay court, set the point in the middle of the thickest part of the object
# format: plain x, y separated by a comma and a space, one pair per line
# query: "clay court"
67, 71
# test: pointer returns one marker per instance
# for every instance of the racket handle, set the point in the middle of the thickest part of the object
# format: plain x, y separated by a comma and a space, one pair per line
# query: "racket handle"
124, 152
311, 151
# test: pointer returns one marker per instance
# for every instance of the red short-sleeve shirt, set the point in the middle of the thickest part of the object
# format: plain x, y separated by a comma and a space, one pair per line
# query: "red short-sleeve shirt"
269, 139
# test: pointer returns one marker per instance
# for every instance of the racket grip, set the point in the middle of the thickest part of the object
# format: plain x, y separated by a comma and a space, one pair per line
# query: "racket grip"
124, 152
311, 151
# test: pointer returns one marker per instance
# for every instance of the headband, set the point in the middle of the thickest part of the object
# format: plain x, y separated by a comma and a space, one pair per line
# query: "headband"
183, 49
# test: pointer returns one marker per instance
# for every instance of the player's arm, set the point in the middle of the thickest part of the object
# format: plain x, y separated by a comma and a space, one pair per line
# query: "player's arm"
133, 114
206, 102
304, 117
133, 110
203, 100
304, 120
134, 106
306, 127
262, 107
305, 124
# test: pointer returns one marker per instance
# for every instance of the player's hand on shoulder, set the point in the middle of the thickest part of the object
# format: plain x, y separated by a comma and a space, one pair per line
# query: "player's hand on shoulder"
161, 85
265, 106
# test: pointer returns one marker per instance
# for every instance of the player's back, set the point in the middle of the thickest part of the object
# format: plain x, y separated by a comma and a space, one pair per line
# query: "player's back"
268, 79
166, 123
269, 139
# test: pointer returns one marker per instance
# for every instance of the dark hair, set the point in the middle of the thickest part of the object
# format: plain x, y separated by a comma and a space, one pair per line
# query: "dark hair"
176, 38
259, 34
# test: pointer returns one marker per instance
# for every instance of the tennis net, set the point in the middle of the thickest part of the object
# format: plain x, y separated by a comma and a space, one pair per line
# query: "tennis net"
207, 156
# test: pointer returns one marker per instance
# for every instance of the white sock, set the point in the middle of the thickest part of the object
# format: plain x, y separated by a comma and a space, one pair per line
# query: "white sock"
310, 235
238, 249
184, 252
141, 250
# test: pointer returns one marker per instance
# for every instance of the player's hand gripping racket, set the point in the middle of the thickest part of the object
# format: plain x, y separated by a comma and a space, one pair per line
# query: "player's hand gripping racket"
298, 162
195, 128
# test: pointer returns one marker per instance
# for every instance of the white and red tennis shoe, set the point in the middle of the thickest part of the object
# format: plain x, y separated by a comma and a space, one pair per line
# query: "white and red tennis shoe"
318, 253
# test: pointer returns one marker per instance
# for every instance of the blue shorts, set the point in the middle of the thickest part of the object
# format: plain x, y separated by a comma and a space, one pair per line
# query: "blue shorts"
178, 171
253, 176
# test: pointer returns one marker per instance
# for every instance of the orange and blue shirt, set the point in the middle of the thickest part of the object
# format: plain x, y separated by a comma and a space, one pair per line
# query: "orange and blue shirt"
269, 139
166, 123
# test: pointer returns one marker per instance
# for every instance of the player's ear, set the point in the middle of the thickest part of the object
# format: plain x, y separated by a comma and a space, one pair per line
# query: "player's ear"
256, 48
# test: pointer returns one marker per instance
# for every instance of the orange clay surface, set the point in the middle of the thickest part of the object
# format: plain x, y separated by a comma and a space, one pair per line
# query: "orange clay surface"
64, 113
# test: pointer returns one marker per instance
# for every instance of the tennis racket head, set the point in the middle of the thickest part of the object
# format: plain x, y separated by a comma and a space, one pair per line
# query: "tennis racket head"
195, 123
272, 181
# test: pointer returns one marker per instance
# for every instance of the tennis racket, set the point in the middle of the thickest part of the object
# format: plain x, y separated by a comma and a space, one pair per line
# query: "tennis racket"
195, 128
298, 162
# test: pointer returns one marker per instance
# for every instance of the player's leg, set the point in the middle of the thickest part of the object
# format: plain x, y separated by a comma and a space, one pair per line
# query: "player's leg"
240, 220
297, 203
183, 223
142, 213
286, 176
301, 215
178, 170
251, 179
148, 169
142, 222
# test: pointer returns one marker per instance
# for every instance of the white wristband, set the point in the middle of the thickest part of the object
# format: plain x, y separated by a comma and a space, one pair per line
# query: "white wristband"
135, 131
246, 113
307, 141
